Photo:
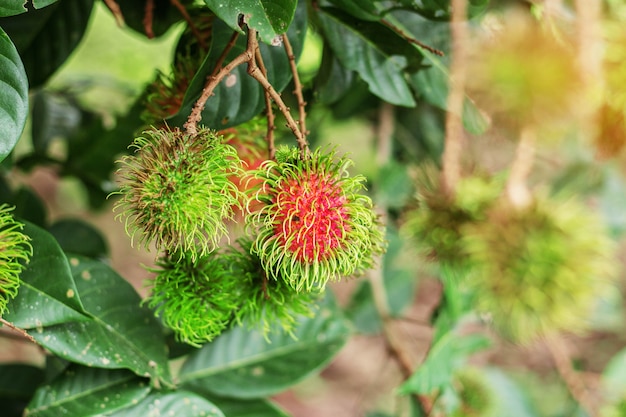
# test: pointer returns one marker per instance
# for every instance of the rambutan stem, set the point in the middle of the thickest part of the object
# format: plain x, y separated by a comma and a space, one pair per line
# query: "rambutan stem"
191, 125
410, 39
148, 17
255, 72
269, 112
17, 329
116, 11
297, 90
224, 54
454, 123
192, 26
516, 188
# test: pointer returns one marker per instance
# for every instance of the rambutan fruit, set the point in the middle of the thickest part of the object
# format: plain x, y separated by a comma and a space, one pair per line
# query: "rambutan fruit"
266, 303
314, 225
435, 225
177, 191
539, 269
195, 297
15, 252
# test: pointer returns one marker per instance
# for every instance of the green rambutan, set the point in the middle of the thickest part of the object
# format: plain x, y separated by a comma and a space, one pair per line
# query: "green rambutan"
539, 269
195, 297
436, 224
314, 225
265, 302
475, 396
177, 190
15, 252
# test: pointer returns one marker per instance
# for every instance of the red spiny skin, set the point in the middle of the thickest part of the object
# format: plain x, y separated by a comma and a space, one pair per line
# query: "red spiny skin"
312, 218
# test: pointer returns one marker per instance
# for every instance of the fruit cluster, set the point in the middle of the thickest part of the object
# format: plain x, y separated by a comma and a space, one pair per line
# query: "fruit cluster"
306, 222
532, 270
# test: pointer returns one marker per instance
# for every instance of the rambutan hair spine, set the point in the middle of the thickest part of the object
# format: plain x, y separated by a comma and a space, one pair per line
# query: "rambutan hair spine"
177, 190
315, 224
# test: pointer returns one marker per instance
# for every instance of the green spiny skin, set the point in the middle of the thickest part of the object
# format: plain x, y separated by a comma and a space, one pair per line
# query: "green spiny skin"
265, 302
194, 297
314, 224
15, 252
541, 269
177, 190
436, 224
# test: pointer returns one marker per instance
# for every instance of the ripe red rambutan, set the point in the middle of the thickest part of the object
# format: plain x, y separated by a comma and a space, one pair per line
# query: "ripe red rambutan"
314, 225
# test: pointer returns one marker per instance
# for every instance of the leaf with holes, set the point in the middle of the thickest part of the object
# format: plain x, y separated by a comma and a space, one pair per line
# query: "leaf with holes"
242, 364
13, 96
239, 97
380, 56
120, 333
46, 37
48, 295
178, 403
270, 18
83, 391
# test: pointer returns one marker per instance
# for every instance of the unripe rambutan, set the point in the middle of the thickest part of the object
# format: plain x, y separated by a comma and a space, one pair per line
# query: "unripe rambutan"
539, 269
436, 224
524, 75
314, 225
194, 297
15, 252
176, 190
266, 302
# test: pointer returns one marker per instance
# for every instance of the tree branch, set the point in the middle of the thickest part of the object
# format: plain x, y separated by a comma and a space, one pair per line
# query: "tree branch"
454, 124
269, 112
297, 91
18, 330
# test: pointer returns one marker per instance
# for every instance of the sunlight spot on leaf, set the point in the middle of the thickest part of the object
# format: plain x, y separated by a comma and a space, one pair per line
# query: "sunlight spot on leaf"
86, 275
258, 371
70, 293
105, 361
74, 261
231, 80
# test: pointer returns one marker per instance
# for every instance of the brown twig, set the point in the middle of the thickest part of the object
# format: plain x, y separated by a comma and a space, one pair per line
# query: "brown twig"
17, 329
516, 188
454, 122
229, 46
269, 112
409, 38
574, 383
148, 18
117, 12
191, 125
189, 21
395, 344
297, 90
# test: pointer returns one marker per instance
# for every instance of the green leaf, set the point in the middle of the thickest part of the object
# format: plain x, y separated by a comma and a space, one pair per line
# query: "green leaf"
13, 95
375, 52
361, 9
48, 295
46, 37
247, 408
83, 391
79, 237
270, 18
447, 355
432, 83
13, 7
242, 364
333, 80
18, 383
29, 207
120, 334
242, 100
179, 403
53, 116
